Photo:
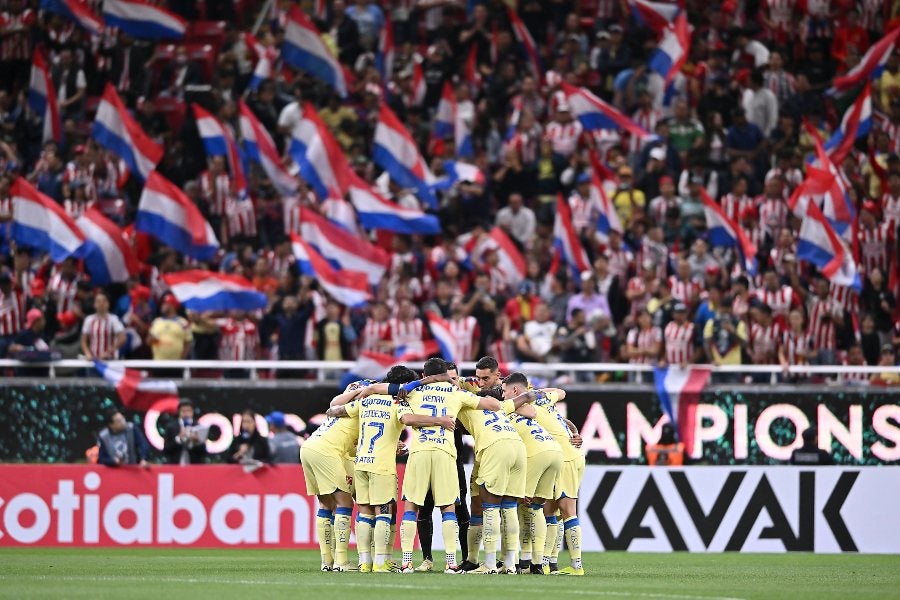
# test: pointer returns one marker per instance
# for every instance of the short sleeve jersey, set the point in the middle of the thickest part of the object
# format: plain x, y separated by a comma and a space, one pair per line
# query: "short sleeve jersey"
337, 435
553, 423
536, 438
379, 430
487, 427
438, 400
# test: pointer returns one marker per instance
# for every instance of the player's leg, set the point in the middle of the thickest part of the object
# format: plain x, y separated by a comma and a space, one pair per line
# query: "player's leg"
490, 504
416, 483
476, 530
546, 475
425, 527
526, 534
342, 517
324, 529
365, 525
568, 505
509, 516
513, 483
445, 485
408, 534
550, 510
383, 541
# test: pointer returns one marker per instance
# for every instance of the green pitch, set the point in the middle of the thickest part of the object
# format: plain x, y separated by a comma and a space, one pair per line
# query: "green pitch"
223, 574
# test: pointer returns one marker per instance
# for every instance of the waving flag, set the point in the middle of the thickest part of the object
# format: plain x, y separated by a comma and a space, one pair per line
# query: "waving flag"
445, 115
42, 99
143, 20
343, 249
77, 11
40, 222
725, 233
679, 393
350, 288
218, 141
819, 245
459, 171
375, 212
116, 130
856, 123
305, 49
511, 261
673, 49
594, 113
137, 393
171, 217
109, 257
442, 333
265, 59
261, 149
870, 66
204, 291
655, 15
396, 152
419, 86
825, 187
566, 239
608, 219
384, 57
321, 160
524, 36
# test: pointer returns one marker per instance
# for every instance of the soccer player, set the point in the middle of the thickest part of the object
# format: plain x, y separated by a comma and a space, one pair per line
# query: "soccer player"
432, 455
324, 457
544, 459
565, 494
500, 481
382, 419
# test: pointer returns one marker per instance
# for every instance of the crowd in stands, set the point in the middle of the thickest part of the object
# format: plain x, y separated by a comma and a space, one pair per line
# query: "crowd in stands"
731, 121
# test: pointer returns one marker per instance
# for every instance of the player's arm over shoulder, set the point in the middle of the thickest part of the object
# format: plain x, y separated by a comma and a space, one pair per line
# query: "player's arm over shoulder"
554, 395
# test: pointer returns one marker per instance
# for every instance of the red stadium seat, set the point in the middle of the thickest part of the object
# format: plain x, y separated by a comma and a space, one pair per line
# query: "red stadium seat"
173, 110
206, 32
205, 56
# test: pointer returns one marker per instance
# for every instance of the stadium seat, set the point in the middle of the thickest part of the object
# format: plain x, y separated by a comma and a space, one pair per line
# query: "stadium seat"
205, 56
206, 32
173, 110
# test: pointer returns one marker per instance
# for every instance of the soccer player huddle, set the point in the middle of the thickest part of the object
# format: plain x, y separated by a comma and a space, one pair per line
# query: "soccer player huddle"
524, 483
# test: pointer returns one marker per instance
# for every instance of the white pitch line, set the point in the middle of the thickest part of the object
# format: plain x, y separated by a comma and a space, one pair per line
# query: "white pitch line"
344, 583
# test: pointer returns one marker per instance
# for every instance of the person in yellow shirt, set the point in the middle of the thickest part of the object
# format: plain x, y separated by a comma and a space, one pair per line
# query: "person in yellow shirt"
628, 201
544, 459
170, 335
725, 335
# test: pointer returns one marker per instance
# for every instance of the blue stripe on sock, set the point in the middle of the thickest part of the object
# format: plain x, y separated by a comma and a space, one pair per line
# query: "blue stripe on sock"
448, 516
324, 513
366, 520
551, 520
509, 504
487, 505
343, 510
537, 506
383, 519
570, 522
409, 515
476, 520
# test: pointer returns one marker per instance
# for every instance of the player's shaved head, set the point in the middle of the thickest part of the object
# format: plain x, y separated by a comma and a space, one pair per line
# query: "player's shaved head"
400, 374
435, 366
487, 362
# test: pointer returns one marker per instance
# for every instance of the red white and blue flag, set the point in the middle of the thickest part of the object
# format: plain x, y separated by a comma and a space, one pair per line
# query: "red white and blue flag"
205, 291
219, 141
566, 239
419, 86
40, 222
608, 218
321, 160
445, 115
524, 36
109, 257
77, 11
819, 245
42, 99
510, 259
305, 49
343, 249
440, 330
457, 171
725, 233
375, 212
679, 393
396, 152
265, 61
856, 123
261, 149
594, 113
350, 288
673, 49
825, 187
138, 393
143, 20
655, 15
171, 217
116, 130
870, 66
384, 57
471, 74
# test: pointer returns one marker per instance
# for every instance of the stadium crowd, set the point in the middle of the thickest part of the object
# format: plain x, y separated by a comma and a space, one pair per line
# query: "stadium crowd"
731, 121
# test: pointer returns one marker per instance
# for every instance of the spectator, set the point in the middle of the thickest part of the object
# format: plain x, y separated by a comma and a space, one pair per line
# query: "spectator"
643, 345
809, 454
588, 300
854, 358
170, 334
538, 338
678, 337
517, 220
185, 440
796, 346
121, 443
668, 451
284, 446
334, 334
725, 336
249, 446
12, 309
760, 104
102, 333
71, 86
878, 301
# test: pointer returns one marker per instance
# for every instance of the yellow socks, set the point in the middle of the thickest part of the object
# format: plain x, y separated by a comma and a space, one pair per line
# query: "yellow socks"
509, 513
325, 533
382, 539
573, 540
473, 537
364, 525
450, 529
540, 534
550, 542
526, 531
341, 534
491, 533
408, 535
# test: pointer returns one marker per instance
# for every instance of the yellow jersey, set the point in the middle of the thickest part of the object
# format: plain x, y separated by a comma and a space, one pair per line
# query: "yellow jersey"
337, 435
536, 438
438, 400
487, 427
379, 431
554, 424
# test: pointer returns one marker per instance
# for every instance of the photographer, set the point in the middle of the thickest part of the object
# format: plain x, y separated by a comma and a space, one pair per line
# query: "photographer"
121, 443
184, 444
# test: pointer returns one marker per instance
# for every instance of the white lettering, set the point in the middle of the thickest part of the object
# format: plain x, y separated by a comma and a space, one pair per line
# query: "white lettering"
762, 431
598, 434
881, 423
716, 429
274, 506
740, 431
142, 508
168, 505
27, 503
639, 431
91, 514
65, 502
221, 421
850, 437
248, 531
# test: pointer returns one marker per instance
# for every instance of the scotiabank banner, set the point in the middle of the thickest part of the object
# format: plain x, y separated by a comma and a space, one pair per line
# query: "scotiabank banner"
697, 509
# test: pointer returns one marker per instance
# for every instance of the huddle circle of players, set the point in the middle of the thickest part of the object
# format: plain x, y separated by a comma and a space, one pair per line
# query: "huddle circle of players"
524, 483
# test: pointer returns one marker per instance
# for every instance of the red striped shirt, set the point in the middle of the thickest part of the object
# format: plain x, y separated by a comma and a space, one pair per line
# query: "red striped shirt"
374, 333
16, 42
240, 217
64, 292
733, 205
822, 330
793, 345
101, 333
773, 215
563, 136
12, 311
239, 339
764, 339
644, 339
874, 244
217, 190
684, 291
407, 333
890, 207
465, 334
780, 300
679, 342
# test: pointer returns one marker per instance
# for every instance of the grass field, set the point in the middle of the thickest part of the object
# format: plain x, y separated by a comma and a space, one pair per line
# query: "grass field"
222, 574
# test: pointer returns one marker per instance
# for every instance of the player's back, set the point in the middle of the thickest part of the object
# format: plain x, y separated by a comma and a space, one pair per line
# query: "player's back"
487, 427
379, 430
536, 438
553, 422
438, 400
336, 436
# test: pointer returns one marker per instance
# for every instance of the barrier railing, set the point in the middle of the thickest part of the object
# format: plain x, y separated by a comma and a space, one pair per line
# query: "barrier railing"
323, 367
